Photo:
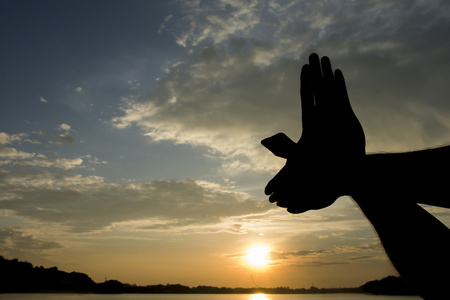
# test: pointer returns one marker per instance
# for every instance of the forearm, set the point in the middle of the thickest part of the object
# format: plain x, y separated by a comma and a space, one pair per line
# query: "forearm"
415, 177
417, 244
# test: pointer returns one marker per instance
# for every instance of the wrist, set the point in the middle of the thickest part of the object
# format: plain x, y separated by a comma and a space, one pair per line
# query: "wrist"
376, 176
355, 176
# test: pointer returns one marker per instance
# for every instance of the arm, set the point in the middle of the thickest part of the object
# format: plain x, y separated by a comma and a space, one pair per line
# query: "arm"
413, 177
417, 244
333, 142
329, 161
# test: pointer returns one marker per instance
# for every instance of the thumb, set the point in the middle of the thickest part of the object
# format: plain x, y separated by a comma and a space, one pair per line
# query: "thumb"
279, 144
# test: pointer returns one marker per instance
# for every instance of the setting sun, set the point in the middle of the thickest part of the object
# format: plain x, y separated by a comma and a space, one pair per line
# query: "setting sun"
257, 256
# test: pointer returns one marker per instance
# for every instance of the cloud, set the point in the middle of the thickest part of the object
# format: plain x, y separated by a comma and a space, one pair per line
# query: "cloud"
64, 126
163, 24
14, 241
6, 138
62, 139
93, 160
236, 229
238, 82
8, 153
65, 138
79, 90
13, 153
41, 160
276, 255
83, 204
14, 157
329, 256
229, 115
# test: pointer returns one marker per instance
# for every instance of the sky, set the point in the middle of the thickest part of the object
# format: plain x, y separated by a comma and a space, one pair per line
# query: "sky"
130, 133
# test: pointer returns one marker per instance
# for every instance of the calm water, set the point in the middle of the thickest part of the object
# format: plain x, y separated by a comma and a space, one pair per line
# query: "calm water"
200, 297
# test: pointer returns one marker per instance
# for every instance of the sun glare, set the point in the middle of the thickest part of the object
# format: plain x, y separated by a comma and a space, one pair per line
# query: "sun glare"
257, 256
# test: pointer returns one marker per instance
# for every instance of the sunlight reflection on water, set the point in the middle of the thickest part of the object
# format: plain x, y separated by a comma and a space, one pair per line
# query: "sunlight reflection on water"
259, 297
202, 297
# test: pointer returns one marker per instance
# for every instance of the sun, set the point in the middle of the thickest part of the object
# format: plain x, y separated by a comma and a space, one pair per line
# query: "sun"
258, 256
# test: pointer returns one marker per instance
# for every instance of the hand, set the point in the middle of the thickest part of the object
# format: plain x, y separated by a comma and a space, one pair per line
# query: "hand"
321, 164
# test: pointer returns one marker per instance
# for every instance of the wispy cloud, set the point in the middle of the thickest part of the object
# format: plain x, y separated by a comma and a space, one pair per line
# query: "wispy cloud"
41, 160
163, 24
239, 79
61, 139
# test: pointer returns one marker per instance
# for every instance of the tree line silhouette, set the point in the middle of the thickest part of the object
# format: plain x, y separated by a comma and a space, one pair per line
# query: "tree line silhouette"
22, 277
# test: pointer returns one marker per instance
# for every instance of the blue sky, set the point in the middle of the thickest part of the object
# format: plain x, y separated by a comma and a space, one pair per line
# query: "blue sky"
129, 132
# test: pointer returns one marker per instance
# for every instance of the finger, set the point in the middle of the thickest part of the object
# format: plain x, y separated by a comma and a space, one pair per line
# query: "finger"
296, 209
317, 78
326, 68
279, 144
275, 183
328, 81
286, 201
283, 204
275, 197
281, 198
341, 88
284, 195
314, 62
306, 96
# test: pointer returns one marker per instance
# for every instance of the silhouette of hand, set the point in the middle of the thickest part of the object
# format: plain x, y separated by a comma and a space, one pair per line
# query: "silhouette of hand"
321, 165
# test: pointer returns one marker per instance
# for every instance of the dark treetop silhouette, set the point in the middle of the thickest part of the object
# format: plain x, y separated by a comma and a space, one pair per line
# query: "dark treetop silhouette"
329, 161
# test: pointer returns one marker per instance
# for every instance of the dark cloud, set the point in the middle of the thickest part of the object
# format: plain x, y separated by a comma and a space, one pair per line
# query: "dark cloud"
330, 255
87, 203
13, 240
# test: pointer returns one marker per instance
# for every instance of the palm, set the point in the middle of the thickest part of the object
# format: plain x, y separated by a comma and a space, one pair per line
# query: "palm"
331, 145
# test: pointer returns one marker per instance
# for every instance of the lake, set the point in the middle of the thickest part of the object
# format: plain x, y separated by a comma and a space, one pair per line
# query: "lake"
201, 297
